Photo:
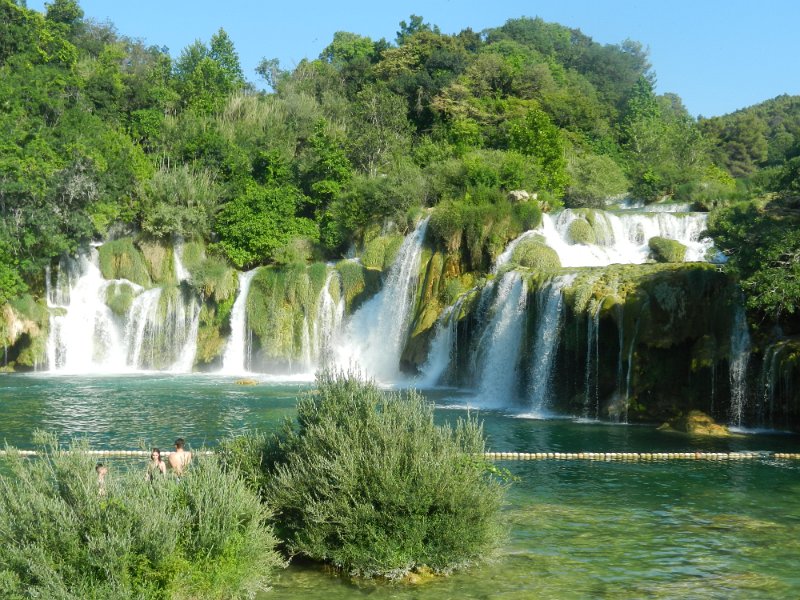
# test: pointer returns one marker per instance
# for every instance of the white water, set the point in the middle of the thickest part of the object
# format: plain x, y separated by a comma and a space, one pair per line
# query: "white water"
443, 348
549, 313
234, 361
509, 251
328, 322
623, 238
87, 337
84, 335
374, 337
738, 359
499, 345
177, 253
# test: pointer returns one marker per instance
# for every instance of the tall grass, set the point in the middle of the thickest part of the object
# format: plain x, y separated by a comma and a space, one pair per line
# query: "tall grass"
62, 535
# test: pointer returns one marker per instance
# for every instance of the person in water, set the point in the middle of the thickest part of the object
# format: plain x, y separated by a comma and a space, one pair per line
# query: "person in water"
156, 465
180, 458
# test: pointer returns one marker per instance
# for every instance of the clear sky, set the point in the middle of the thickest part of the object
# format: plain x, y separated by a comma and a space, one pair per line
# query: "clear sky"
718, 55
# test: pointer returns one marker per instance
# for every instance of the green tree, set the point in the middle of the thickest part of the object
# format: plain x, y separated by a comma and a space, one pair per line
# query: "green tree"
536, 136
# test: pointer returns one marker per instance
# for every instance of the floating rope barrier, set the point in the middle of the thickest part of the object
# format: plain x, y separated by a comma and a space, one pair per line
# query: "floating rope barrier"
123, 453
640, 456
629, 456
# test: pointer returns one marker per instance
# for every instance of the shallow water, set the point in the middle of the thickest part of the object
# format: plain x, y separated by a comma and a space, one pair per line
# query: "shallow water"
578, 529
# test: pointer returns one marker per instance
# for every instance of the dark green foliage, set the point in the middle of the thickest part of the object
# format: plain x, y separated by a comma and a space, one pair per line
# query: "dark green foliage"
366, 481
63, 536
666, 250
253, 226
763, 243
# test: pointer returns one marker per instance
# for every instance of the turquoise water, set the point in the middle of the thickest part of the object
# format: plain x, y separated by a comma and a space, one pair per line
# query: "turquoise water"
678, 529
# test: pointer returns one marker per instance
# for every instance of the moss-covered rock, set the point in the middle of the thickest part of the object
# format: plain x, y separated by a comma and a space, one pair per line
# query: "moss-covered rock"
215, 279
380, 252
534, 254
160, 261
121, 259
119, 297
580, 232
358, 283
666, 251
696, 422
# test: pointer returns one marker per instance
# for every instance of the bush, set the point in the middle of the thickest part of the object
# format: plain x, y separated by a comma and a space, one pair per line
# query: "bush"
666, 250
365, 481
62, 536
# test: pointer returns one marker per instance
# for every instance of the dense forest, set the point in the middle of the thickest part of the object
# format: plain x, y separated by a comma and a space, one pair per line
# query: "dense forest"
104, 136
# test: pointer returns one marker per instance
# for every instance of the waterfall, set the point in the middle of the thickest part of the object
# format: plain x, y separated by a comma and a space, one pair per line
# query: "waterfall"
234, 361
84, 333
549, 320
154, 332
177, 255
328, 321
443, 346
143, 322
592, 356
376, 333
499, 345
738, 359
187, 356
624, 238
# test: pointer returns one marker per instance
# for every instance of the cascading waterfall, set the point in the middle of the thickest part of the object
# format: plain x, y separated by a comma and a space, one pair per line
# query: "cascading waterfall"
177, 253
376, 332
328, 322
443, 347
499, 345
235, 359
155, 332
624, 238
143, 323
549, 320
592, 384
739, 357
84, 334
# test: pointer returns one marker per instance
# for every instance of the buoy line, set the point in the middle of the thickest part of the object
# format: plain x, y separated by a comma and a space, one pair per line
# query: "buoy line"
630, 456
641, 456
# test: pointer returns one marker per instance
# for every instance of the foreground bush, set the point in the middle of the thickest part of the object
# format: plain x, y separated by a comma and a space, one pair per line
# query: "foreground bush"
365, 480
62, 536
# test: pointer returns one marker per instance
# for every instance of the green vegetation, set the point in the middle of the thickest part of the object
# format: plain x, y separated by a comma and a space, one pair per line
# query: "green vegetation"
666, 250
580, 232
63, 535
534, 254
365, 481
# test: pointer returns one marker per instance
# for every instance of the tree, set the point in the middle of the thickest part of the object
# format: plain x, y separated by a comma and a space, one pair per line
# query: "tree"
537, 137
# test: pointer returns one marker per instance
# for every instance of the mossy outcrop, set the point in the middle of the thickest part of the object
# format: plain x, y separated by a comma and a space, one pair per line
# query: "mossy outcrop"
533, 253
667, 251
696, 422
119, 297
580, 232
23, 333
121, 259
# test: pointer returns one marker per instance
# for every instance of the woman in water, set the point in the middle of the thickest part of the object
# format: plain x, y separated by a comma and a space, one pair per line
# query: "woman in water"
156, 465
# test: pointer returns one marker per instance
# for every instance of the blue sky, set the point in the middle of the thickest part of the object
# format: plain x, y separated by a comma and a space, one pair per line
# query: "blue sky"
718, 55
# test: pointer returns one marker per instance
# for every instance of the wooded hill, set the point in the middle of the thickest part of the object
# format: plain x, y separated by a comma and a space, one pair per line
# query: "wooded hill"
103, 135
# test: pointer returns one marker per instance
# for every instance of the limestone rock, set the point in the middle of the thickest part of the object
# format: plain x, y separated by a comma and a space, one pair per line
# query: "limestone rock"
696, 422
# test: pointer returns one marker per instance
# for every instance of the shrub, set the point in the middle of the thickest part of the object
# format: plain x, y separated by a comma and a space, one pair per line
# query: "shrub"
61, 536
666, 250
366, 481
